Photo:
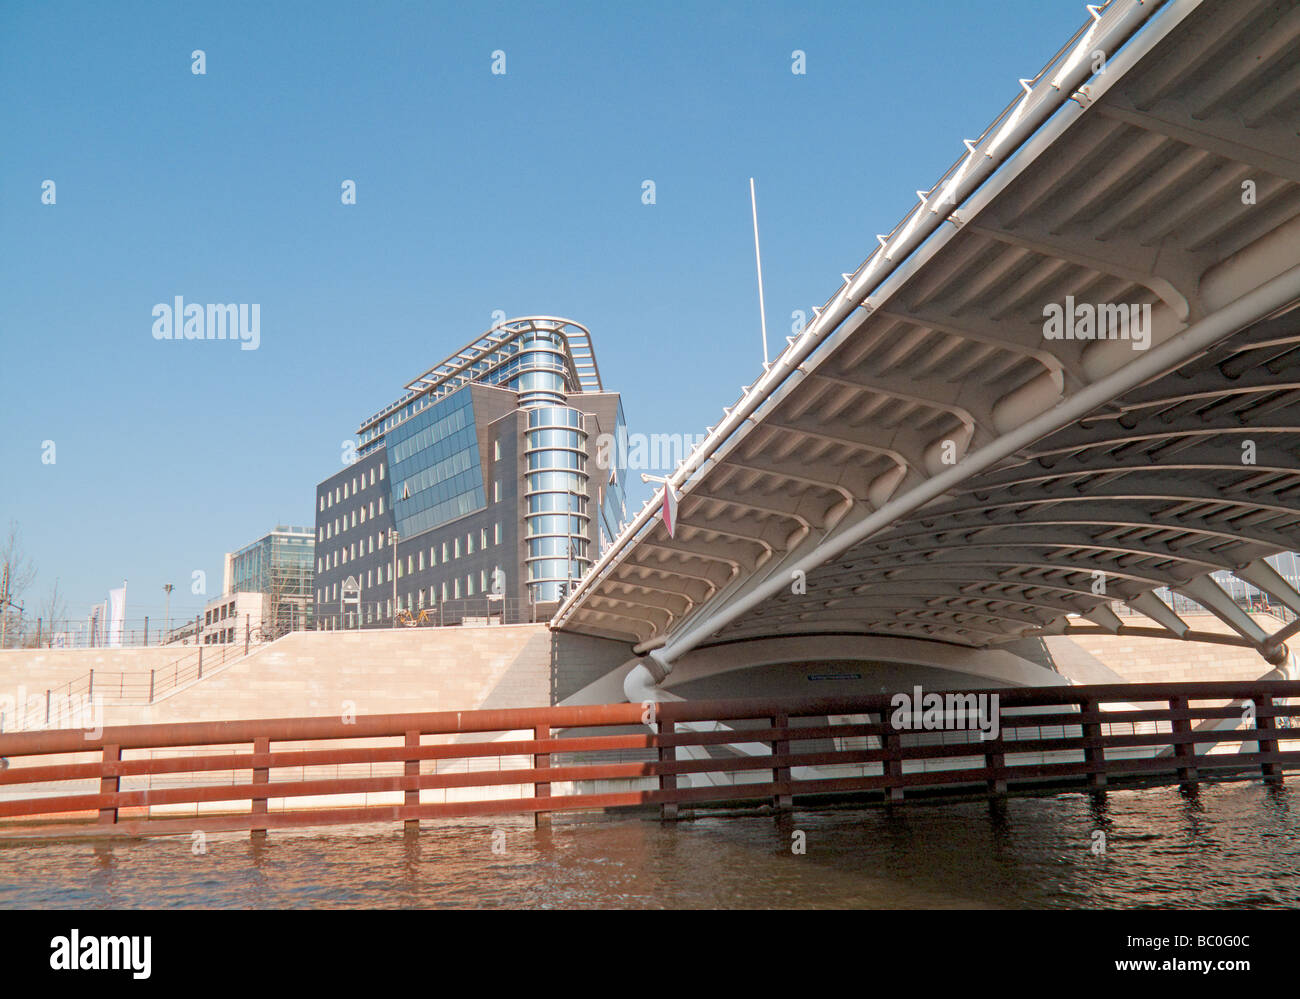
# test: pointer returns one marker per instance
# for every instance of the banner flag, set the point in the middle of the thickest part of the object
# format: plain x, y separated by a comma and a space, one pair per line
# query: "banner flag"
116, 617
670, 508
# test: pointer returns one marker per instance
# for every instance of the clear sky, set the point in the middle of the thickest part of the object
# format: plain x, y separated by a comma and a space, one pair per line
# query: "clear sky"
475, 192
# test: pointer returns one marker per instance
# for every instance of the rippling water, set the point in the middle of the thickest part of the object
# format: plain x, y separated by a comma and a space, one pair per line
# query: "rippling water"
1232, 845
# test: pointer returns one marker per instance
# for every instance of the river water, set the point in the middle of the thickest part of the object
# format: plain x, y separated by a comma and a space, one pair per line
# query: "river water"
1225, 845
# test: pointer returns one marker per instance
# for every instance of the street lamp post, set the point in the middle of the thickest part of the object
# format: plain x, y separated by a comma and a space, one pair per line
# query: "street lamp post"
167, 612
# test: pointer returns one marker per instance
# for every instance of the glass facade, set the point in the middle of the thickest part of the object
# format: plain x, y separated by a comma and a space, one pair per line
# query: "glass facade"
557, 523
281, 566
433, 466
613, 501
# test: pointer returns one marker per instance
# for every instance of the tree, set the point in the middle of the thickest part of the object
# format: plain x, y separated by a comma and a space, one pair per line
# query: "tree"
53, 612
17, 573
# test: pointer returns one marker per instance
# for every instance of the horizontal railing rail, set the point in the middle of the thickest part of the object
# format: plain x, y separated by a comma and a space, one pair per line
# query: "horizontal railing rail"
163, 779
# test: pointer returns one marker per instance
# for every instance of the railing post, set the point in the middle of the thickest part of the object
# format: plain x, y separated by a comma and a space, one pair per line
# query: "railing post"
1093, 754
781, 775
109, 784
541, 761
38, 632
146, 629
892, 766
995, 759
1185, 752
200, 662
151, 678
412, 770
247, 632
1265, 722
47, 707
667, 754
261, 775
90, 686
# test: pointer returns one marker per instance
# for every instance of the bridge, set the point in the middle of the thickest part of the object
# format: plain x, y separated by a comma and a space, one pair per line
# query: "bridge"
1069, 377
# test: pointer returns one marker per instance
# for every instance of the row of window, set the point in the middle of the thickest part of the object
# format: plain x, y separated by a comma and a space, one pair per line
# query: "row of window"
415, 561
341, 524
415, 599
340, 493
223, 637
219, 613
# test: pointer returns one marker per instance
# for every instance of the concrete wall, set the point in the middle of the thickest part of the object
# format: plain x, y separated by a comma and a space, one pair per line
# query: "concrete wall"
318, 673
1156, 660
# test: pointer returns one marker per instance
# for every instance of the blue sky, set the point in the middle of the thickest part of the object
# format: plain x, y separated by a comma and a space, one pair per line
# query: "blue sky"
475, 192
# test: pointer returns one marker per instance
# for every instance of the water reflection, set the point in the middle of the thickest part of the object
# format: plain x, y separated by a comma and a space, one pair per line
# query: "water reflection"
1224, 845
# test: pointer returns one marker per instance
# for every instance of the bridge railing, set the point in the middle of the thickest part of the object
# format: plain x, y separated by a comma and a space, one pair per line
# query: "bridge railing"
275, 773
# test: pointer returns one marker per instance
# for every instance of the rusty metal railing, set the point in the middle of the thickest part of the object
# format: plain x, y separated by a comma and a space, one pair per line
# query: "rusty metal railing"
258, 775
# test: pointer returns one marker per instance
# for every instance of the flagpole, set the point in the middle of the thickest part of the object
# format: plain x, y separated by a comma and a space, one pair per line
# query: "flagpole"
758, 260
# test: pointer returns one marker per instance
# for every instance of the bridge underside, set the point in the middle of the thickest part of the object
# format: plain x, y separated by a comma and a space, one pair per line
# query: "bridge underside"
928, 461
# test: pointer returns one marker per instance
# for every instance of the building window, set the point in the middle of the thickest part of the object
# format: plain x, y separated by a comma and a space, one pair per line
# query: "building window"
496, 449
420, 603
482, 537
455, 551
469, 544
444, 591
372, 476
363, 515
496, 491
354, 485
421, 562
457, 588
381, 504
433, 556
399, 570
482, 580
354, 518
469, 586
381, 473
444, 551
372, 544
345, 490
370, 578
497, 533
322, 503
